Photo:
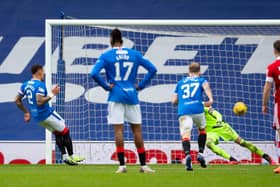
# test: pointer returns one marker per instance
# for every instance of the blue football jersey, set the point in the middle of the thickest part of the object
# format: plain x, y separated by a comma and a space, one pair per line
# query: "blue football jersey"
29, 90
190, 95
121, 66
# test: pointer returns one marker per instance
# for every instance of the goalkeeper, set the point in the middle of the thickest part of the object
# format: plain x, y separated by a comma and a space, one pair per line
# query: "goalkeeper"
216, 128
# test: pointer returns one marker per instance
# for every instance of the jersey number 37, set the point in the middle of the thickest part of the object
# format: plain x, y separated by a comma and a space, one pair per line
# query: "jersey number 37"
189, 90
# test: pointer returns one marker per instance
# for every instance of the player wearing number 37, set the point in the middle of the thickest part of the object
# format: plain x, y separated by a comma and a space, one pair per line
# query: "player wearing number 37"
189, 97
121, 66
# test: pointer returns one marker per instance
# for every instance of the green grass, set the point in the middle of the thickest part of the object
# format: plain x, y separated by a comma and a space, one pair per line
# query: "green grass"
166, 175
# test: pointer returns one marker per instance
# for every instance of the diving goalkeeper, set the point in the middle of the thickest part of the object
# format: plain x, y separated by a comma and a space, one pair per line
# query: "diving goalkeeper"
216, 128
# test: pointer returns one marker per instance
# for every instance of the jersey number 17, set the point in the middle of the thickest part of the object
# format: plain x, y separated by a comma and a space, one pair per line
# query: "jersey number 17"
119, 67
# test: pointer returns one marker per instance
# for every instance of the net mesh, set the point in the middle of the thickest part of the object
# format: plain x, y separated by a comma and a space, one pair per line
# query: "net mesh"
223, 51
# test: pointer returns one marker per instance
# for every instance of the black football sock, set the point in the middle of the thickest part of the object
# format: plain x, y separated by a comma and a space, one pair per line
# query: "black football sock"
68, 143
121, 158
60, 144
120, 153
186, 147
201, 142
142, 156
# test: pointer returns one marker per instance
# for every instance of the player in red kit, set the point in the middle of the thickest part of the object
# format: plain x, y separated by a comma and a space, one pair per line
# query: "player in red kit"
273, 78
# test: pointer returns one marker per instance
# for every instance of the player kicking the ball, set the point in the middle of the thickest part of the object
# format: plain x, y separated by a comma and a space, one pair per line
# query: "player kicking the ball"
189, 97
216, 128
121, 66
38, 99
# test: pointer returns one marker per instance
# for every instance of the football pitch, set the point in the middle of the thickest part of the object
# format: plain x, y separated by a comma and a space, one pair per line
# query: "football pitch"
166, 175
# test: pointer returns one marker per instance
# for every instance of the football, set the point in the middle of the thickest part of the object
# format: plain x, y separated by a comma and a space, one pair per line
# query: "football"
239, 108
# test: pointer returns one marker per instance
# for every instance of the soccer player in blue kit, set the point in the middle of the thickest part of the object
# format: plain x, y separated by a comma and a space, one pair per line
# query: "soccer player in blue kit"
35, 92
121, 66
189, 98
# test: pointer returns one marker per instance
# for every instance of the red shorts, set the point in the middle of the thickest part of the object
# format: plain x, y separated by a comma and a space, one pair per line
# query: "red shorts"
276, 117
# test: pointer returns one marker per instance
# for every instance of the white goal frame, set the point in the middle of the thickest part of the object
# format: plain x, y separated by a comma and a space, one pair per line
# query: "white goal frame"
124, 22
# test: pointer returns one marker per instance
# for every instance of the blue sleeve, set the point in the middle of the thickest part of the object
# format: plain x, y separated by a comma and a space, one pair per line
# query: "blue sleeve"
149, 67
95, 73
203, 81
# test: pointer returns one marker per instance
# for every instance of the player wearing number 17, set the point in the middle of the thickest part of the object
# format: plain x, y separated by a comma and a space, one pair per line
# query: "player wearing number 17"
121, 66
189, 97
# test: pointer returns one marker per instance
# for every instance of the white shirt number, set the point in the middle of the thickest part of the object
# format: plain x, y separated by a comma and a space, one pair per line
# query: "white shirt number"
189, 90
29, 96
127, 65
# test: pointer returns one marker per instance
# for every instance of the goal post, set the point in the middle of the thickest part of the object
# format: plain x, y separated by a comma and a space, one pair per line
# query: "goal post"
233, 55
48, 54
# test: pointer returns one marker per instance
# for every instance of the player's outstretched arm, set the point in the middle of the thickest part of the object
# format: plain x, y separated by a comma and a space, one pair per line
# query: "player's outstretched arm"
266, 93
151, 71
95, 74
208, 92
18, 101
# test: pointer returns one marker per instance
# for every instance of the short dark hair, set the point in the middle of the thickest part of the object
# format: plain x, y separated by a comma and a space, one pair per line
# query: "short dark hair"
276, 45
194, 67
35, 68
116, 36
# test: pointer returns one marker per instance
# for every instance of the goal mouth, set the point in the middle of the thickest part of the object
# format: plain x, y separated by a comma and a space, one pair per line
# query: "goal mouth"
233, 55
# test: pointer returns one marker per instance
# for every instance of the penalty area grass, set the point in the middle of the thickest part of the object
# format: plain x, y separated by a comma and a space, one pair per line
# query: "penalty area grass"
166, 175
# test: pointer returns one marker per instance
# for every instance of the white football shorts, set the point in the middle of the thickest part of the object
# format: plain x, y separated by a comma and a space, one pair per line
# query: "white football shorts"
118, 113
54, 123
186, 123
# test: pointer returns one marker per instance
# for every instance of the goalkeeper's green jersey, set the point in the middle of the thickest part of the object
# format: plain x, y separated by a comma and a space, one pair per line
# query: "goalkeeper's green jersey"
213, 118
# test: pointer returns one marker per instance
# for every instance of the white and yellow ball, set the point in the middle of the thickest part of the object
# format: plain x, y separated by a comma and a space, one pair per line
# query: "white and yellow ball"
239, 108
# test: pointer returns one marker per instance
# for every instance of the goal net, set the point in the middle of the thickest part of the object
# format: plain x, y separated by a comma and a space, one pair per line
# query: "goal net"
233, 54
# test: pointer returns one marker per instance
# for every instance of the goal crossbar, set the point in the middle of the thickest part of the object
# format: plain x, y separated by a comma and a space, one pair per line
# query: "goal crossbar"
174, 22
